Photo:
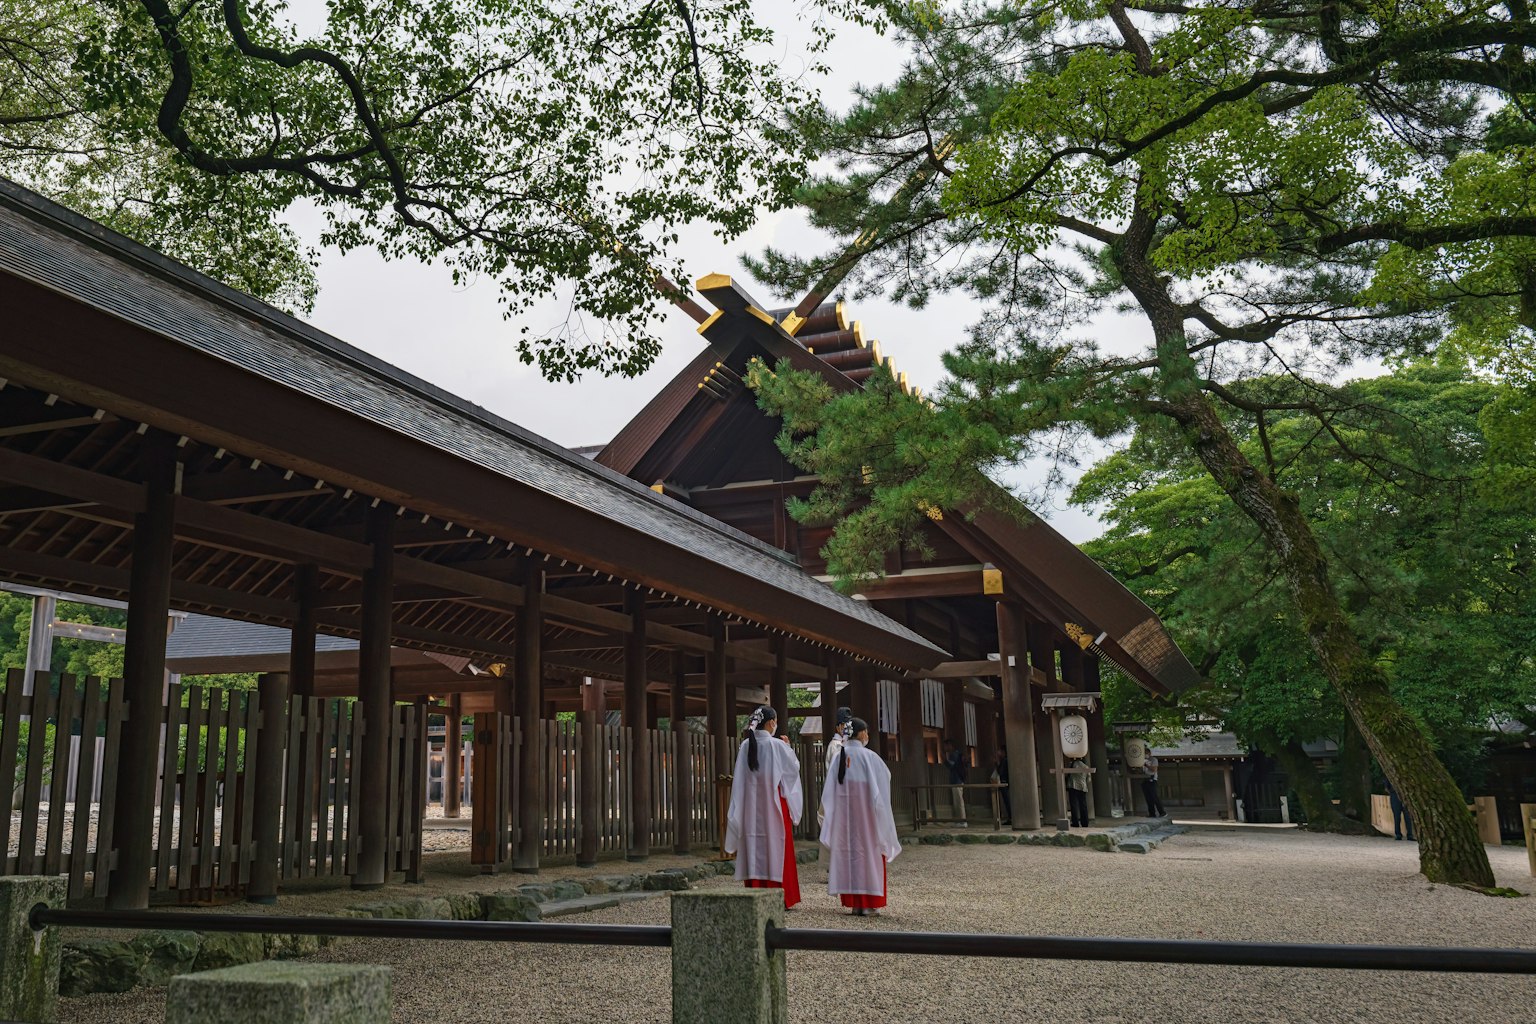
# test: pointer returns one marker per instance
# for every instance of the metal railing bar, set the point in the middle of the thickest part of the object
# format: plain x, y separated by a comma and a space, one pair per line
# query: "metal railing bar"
1107, 949
1170, 951
361, 927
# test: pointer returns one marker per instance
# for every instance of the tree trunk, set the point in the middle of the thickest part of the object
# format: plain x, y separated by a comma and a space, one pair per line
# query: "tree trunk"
1322, 815
1354, 774
1449, 848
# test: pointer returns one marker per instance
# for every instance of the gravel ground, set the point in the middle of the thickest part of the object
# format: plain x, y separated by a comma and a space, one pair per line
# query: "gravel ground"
1214, 883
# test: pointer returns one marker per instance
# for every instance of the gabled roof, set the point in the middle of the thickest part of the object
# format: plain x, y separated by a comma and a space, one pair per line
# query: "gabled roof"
79, 283
1064, 585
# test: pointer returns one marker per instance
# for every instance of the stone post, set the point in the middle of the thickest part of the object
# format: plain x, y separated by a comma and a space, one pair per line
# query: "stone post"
721, 967
278, 992
29, 960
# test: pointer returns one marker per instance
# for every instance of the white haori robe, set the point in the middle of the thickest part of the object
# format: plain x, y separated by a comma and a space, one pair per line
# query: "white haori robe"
859, 828
754, 829
834, 748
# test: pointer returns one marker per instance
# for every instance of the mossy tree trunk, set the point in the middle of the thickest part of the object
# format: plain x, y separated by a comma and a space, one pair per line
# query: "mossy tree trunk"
1449, 848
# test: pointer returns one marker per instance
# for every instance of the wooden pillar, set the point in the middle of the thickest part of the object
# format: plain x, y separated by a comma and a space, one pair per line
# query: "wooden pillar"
485, 793
719, 701
149, 597
594, 696
778, 686
828, 703
914, 756
373, 686
682, 789
640, 734
1072, 675
272, 691
1042, 655
865, 700
39, 640
529, 679
1098, 740
453, 757
587, 790
1226, 779
1018, 718
301, 641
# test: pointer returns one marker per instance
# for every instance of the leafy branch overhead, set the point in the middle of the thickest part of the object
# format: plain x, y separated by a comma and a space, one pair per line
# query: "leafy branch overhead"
556, 148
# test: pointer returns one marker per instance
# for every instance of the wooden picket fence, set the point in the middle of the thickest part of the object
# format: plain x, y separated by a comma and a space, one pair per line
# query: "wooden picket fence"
813, 775
59, 768
562, 763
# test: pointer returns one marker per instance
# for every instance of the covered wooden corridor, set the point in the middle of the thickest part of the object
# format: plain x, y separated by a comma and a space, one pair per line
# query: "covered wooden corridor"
168, 441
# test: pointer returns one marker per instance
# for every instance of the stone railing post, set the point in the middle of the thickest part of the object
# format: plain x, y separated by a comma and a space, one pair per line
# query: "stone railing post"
29, 960
722, 969
279, 992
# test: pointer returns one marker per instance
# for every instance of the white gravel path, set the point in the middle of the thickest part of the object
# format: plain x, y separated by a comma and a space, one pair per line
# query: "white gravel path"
1215, 883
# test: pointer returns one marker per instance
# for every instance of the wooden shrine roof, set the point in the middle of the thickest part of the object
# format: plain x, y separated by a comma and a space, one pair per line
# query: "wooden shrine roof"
287, 435
705, 418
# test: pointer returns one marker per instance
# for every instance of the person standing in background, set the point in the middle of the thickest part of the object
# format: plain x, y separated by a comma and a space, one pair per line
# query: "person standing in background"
954, 760
1149, 789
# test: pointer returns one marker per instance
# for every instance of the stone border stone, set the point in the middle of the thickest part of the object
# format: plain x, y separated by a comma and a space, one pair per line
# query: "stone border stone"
275, 993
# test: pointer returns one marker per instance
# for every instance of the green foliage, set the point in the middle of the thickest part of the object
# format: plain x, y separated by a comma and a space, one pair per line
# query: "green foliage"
550, 146
1435, 576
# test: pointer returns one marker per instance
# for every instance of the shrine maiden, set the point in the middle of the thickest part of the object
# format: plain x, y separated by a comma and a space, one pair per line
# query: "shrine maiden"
765, 803
834, 750
859, 829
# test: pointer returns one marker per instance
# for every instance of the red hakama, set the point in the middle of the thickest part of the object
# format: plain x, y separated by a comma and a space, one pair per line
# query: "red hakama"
861, 901
791, 883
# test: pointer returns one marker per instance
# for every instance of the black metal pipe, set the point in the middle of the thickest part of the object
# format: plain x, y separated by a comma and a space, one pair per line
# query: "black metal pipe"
1167, 951
361, 927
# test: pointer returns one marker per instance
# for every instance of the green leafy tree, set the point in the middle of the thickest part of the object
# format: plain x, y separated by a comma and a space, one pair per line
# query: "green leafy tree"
1240, 176
550, 146
1432, 571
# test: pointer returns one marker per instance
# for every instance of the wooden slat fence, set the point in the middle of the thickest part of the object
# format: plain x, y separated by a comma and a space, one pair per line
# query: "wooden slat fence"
813, 775
58, 769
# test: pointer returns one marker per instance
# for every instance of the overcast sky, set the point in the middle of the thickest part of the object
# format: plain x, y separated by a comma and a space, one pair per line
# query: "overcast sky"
415, 317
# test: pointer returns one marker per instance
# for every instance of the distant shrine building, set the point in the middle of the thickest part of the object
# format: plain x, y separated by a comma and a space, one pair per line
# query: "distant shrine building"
392, 558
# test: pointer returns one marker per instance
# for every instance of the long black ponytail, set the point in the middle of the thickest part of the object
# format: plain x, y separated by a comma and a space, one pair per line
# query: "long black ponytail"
761, 715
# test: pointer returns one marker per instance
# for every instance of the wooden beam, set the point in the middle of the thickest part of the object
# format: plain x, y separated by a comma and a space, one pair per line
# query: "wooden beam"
70, 481
301, 640
149, 599
682, 797
718, 701
529, 683
963, 670
372, 776
635, 672
1018, 717
453, 757
242, 486
778, 687
959, 583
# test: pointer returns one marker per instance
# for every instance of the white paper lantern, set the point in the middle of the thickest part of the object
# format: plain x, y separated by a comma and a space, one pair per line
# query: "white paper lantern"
1135, 753
1074, 736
